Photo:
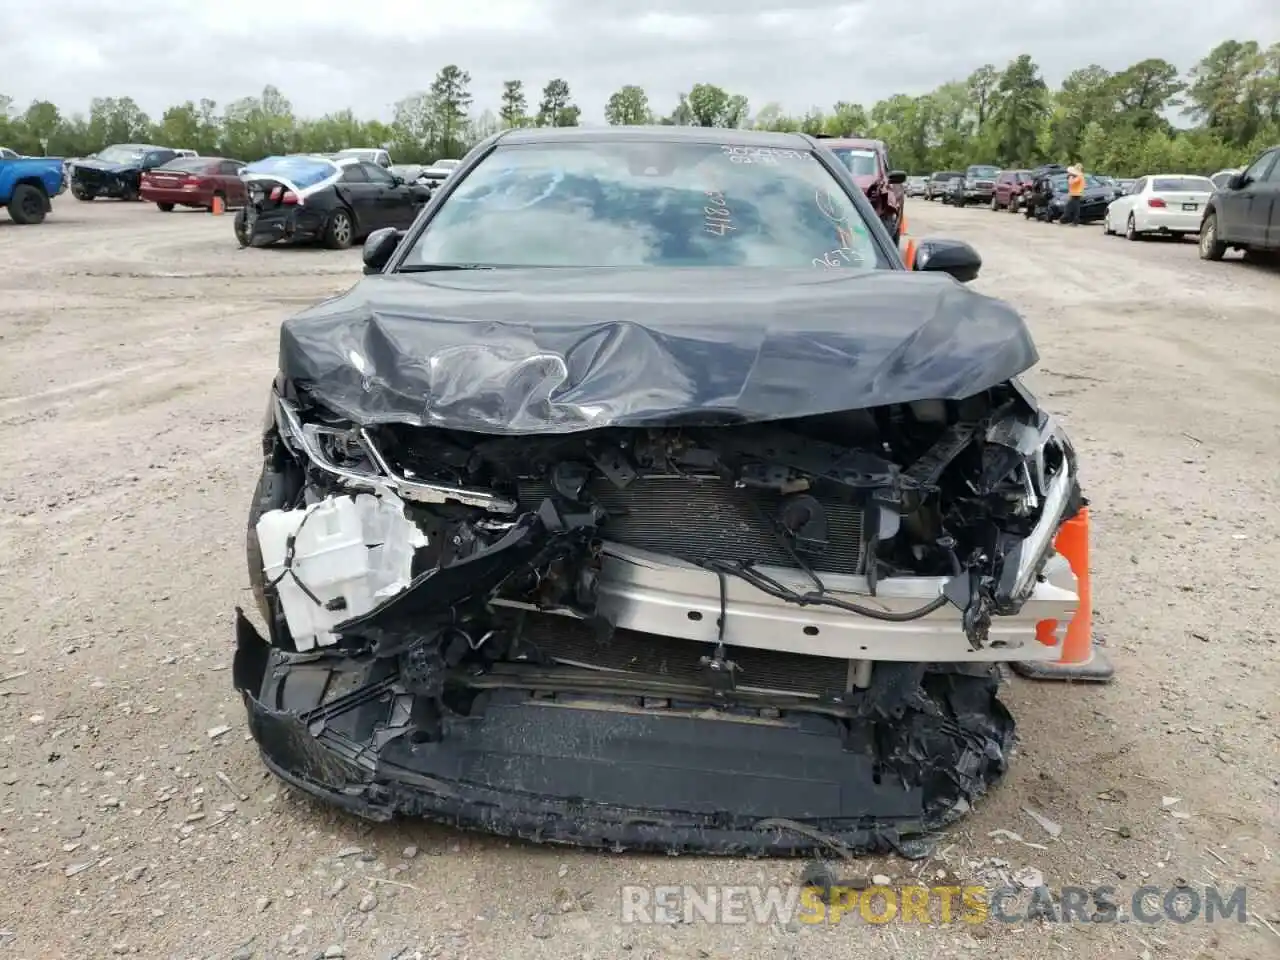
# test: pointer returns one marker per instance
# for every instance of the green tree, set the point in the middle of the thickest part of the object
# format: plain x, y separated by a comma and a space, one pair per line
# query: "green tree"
451, 96
982, 86
556, 108
117, 120
628, 106
1228, 88
255, 127
1144, 91
515, 107
414, 128
1022, 109
1088, 95
846, 120
180, 127
42, 120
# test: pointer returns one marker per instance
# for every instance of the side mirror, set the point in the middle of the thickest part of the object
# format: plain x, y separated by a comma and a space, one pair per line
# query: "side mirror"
398, 180
1237, 181
378, 248
949, 256
897, 176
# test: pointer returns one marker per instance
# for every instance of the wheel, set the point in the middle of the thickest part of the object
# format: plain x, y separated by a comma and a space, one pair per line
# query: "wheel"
165, 207
1211, 248
242, 234
340, 231
27, 205
1131, 230
1106, 225
79, 194
894, 226
1013, 204
995, 204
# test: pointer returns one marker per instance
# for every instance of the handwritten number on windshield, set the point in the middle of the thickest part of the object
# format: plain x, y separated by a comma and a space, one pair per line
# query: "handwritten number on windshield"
717, 218
838, 258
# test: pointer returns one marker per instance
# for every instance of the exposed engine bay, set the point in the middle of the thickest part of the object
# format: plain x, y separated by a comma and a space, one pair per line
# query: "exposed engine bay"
858, 571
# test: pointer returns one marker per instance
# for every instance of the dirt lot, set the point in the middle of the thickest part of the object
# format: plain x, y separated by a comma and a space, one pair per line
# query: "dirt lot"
135, 353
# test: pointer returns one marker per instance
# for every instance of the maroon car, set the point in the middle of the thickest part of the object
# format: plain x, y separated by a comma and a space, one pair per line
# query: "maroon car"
194, 182
868, 161
1010, 186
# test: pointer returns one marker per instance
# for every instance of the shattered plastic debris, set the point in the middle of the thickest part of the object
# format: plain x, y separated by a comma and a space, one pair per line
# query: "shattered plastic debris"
1051, 828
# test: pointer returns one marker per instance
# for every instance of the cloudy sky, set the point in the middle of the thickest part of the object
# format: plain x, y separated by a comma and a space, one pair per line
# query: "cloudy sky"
327, 55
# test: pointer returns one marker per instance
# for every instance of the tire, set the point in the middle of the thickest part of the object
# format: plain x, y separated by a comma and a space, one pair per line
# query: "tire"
995, 204
79, 194
165, 207
27, 205
1131, 230
1211, 248
340, 231
242, 236
894, 226
1106, 225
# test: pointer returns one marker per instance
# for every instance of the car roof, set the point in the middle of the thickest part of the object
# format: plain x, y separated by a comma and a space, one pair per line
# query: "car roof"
1176, 176
657, 134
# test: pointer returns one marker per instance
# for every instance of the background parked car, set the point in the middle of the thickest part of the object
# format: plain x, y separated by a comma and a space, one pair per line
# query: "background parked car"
916, 186
372, 154
939, 182
1169, 204
1245, 214
335, 199
978, 185
1007, 194
194, 182
7, 154
1049, 198
117, 171
868, 162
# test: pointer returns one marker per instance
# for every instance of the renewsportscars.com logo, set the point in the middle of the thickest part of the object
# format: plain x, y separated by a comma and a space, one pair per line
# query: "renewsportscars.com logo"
717, 904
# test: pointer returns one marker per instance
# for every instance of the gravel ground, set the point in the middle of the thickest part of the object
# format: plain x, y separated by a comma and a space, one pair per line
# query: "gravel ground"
135, 353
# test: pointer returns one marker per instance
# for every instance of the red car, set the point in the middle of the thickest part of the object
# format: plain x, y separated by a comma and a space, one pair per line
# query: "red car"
1010, 186
194, 182
868, 161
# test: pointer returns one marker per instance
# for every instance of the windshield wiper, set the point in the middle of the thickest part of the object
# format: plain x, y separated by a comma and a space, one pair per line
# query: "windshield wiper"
433, 267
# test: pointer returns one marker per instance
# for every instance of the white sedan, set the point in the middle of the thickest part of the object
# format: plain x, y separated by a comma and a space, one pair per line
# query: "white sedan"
1166, 203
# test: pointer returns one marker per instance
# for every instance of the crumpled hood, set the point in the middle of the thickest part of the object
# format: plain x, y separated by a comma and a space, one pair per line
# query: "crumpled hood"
562, 350
106, 167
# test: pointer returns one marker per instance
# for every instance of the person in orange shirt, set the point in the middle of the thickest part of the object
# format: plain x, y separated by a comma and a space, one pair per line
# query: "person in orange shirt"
1075, 190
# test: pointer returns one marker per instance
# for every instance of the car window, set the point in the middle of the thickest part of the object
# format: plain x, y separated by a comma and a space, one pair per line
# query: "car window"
648, 203
1273, 175
355, 173
861, 161
1139, 185
186, 165
1182, 184
230, 168
1258, 169
377, 175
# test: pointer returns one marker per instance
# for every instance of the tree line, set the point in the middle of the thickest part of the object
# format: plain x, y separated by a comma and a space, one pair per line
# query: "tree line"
1115, 123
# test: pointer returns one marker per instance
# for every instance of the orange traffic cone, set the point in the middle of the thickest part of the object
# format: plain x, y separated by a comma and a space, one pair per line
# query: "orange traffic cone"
219, 206
1080, 659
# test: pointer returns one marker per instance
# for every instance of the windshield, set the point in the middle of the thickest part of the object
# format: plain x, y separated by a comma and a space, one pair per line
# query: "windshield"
1182, 185
860, 161
647, 204
300, 171
120, 154
984, 173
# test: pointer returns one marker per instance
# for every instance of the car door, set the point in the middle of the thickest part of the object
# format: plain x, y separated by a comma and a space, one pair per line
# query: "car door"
1265, 206
395, 202
232, 185
1121, 207
1238, 220
361, 196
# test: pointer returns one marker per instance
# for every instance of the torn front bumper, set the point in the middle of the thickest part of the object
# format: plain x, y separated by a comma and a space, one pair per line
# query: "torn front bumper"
547, 763
284, 223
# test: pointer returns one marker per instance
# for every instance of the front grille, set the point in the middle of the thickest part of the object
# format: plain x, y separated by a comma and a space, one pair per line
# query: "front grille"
573, 642
710, 519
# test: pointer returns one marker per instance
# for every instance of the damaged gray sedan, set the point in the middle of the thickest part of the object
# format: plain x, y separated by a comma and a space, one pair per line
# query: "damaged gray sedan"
641, 497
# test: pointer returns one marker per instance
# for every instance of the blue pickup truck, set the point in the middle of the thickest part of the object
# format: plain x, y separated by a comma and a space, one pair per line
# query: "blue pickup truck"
28, 184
